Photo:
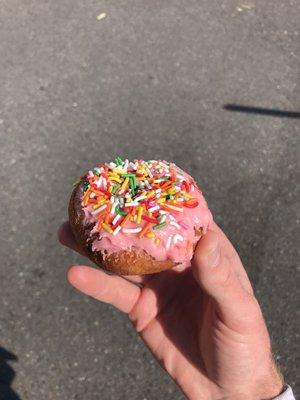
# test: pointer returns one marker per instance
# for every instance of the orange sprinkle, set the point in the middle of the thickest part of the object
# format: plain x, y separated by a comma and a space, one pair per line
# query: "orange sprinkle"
165, 207
107, 218
188, 245
126, 219
86, 197
166, 185
145, 229
173, 203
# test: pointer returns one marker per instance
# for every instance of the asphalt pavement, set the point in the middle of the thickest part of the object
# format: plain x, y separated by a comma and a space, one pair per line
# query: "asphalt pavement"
146, 79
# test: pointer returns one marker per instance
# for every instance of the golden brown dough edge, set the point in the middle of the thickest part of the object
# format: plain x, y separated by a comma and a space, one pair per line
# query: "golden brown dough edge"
125, 262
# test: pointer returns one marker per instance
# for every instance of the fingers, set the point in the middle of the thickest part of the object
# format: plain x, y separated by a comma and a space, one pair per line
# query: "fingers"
215, 274
106, 288
229, 251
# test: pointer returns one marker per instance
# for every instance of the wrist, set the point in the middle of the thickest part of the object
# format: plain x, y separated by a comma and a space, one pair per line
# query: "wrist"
266, 387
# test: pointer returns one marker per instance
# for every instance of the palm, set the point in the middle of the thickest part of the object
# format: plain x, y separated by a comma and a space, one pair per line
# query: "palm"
168, 317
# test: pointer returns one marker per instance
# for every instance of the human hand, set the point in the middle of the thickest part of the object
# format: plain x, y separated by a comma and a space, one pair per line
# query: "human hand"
203, 324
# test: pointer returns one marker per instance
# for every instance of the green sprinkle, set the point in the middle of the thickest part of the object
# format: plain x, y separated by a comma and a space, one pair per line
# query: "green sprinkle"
85, 185
132, 185
115, 188
159, 226
118, 161
97, 171
121, 212
127, 175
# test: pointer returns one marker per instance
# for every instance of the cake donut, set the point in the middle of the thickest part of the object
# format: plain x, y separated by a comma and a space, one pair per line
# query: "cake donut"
139, 217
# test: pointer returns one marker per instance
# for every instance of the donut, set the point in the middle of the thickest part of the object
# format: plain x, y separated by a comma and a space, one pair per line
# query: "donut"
138, 217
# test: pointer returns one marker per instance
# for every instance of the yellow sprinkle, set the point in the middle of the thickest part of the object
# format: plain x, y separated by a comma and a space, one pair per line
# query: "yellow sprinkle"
101, 16
125, 183
150, 235
106, 227
151, 193
95, 206
119, 171
139, 216
157, 241
187, 196
161, 200
115, 179
110, 189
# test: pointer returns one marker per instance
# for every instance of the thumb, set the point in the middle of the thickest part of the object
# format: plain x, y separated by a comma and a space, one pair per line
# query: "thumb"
214, 273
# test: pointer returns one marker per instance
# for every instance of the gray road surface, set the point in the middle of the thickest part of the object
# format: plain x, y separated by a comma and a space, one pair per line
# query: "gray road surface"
149, 80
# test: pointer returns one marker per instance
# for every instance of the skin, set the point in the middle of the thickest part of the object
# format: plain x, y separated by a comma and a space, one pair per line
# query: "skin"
203, 324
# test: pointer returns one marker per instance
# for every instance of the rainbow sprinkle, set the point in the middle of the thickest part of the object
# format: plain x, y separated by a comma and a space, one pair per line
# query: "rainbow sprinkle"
146, 194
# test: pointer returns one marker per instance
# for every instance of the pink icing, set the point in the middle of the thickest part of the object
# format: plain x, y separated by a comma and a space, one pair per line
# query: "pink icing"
184, 224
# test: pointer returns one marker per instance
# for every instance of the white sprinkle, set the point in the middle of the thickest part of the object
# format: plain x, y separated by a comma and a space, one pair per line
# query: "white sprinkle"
132, 230
113, 209
164, 165
116, 219
132, 204
171, 216
139, 198
152, 209
90, 173
175, 208
92, 195
169, 241
163, 212
175, 224
117, 230
163, 219
101, 16
149, 173
181, 178
180, 199
112, 165
104, 184
126, 165
98, 182
99, 209
177, 238
158, 191
112, 199
158, 180
192, 188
